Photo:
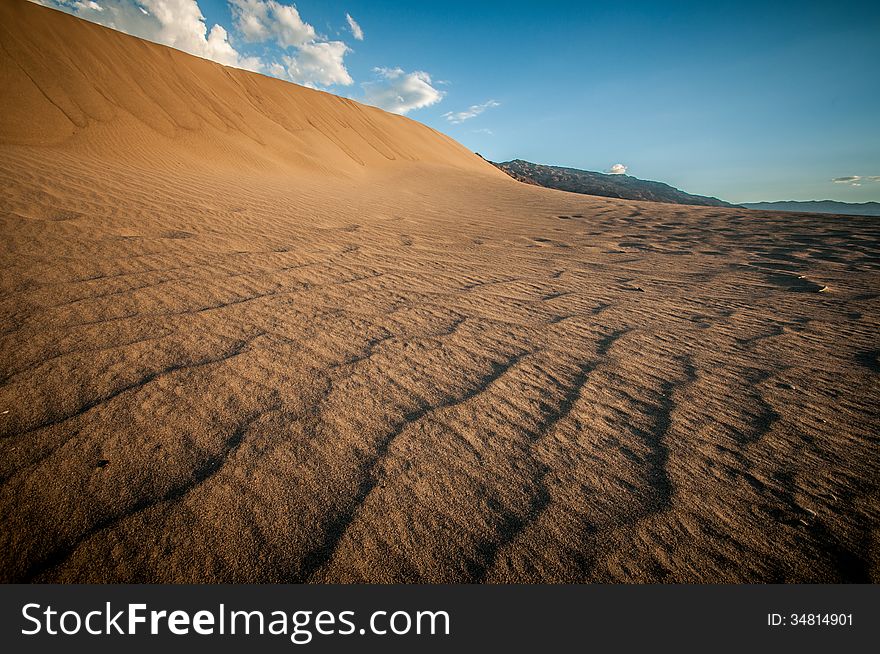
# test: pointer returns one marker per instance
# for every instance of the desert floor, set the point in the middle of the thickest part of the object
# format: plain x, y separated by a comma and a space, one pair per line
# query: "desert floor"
428, 380
252, 332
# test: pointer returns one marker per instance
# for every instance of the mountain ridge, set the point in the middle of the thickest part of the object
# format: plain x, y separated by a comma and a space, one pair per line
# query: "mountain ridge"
588, 182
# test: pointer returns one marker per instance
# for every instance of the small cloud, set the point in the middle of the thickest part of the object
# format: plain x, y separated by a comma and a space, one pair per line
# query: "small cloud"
483, 130
356, 30
309, 58
471, 112
617, 169
856, 180
277, 70
263, 20
319, 64
400, 92
88, 4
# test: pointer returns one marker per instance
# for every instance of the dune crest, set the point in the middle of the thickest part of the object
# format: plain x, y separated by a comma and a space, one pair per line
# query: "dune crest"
103, 93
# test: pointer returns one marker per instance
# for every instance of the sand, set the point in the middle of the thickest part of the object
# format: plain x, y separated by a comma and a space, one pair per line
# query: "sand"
253, 332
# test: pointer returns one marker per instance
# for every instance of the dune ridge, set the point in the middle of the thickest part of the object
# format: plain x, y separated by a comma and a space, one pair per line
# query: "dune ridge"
239, 342
120, 98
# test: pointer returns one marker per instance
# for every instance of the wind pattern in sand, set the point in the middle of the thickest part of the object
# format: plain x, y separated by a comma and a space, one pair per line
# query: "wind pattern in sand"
363, 354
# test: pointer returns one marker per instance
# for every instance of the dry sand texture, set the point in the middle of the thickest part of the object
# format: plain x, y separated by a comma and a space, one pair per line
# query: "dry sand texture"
253, 332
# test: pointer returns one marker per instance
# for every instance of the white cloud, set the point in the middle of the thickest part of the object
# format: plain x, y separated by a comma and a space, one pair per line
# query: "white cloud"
617, 169
471, 112
276, 70
182, 26
176, 23
264, 20
312, 60
856, 180
401, 92
319, 64
356, 30
483, 130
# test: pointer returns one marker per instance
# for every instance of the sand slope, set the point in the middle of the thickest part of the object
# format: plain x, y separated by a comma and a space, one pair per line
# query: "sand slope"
121, 99
252, 332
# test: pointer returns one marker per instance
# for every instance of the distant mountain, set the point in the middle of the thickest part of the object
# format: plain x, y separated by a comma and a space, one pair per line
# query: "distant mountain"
610, 186
819, 206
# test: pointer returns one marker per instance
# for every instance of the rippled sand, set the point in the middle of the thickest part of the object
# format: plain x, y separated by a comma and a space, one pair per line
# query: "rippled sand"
274, 366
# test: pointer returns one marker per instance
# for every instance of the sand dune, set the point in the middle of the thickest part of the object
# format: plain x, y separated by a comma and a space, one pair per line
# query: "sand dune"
255, 332
111, 96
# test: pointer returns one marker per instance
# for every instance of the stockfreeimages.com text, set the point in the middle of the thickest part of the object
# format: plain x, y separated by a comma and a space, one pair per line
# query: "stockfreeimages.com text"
300, 626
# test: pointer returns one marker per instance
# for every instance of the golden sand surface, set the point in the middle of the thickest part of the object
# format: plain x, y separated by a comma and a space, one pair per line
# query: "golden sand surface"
253, 332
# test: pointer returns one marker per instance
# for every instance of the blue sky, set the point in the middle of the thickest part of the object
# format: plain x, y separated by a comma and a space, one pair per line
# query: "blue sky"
745, 101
